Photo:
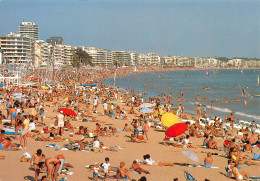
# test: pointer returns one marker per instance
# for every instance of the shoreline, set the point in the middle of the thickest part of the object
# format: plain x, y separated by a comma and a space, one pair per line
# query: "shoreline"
223, 114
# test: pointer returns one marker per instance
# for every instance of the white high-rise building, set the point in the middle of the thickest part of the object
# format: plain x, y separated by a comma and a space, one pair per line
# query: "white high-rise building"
134, 58
29, 29
68, 54
15, 48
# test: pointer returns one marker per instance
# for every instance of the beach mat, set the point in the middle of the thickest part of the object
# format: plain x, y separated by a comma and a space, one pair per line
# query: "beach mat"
255, 178
195, 165
120, 178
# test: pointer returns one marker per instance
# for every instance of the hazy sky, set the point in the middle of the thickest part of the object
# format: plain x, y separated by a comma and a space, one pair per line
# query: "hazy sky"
201, 28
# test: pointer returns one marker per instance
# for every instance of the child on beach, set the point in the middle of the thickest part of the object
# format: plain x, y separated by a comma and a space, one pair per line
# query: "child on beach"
35, 160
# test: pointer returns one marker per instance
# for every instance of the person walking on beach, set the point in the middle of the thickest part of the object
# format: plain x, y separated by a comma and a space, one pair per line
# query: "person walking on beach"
198, 111
24, 133
8, 106
145, 129
95, 104
60, 119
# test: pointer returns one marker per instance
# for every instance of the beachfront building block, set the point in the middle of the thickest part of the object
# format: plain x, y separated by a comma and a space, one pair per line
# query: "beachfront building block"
55, 40
121, 58
15, 48
99, 56
29, 29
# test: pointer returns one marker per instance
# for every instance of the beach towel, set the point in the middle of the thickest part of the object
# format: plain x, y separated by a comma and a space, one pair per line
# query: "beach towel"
255, 178
195, 165
120, 178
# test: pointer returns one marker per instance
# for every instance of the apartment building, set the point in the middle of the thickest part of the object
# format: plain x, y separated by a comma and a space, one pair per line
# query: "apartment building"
99, 56
134, 58
29, 29
121, 58
55, 40
15, 48
153, 59
68, 54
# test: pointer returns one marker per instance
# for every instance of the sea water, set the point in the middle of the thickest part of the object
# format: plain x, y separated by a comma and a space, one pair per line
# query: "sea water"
221, 83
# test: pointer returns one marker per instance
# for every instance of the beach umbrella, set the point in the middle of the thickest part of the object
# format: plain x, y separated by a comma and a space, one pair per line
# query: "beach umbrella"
17, 95
191, 155
146, 110
169, 119
112, 102
144, 105
70, 98
67, 111
45, 87
1, 85
176, 129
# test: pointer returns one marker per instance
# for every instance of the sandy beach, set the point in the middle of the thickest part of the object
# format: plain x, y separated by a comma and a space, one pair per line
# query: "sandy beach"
12, 169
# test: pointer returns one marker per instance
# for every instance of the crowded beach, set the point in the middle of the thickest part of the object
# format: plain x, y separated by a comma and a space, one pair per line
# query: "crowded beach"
74, 127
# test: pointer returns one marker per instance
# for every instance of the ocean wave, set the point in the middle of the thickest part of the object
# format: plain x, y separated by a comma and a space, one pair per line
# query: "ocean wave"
247, 115
222, 109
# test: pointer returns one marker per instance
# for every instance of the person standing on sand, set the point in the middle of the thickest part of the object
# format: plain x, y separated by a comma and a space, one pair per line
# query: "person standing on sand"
145, 129
36, 159
8, 106
24, 131
60, 119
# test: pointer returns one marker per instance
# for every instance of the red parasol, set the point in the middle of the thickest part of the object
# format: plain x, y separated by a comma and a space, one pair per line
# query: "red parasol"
176, 129
67, 111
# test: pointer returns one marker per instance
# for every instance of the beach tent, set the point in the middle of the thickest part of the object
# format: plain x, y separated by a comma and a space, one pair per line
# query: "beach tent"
169, 119
1, 85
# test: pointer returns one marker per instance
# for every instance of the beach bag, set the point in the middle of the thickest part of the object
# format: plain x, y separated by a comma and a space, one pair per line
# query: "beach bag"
256, 156
24, 159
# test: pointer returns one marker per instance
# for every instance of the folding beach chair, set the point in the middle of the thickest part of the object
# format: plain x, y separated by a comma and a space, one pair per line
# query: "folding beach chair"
188, 176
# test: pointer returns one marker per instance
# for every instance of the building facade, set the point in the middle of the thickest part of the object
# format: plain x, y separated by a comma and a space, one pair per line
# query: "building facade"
15, 48
55, 40
99, 56
29, 29
121, 58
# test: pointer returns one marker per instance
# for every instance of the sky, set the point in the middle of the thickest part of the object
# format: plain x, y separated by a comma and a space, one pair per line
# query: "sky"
194, 28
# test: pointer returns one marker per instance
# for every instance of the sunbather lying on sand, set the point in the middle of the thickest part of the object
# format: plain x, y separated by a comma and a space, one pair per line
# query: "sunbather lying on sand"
136, 167
149, 161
